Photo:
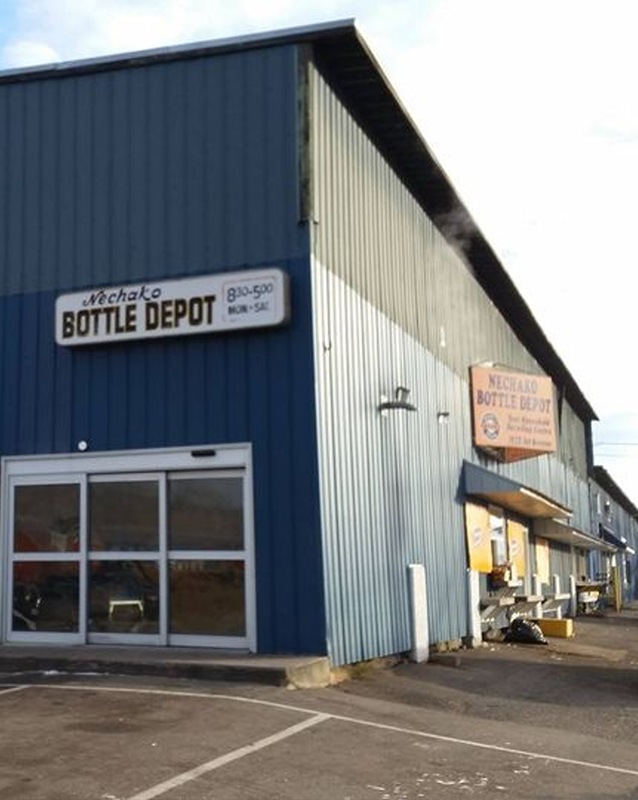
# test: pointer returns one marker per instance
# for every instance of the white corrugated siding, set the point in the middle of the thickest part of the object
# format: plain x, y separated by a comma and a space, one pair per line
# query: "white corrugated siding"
395, 304
388, 484
372, 233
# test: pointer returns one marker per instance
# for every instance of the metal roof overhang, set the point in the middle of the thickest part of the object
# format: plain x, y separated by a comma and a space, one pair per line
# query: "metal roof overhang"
510, 494
559, 531
606, 482
610, 536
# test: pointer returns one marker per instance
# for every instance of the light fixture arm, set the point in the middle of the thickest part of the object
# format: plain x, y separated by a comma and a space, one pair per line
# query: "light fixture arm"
400, 402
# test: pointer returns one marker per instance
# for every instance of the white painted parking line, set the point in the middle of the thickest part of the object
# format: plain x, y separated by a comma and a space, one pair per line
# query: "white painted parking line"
483, 746
352, 720
13, 689
209, 766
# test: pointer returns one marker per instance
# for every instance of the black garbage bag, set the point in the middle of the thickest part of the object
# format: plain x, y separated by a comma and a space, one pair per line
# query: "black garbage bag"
525, 631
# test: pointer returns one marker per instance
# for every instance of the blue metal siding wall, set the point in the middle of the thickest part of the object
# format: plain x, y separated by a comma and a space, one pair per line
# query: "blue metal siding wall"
156, 171
187, 167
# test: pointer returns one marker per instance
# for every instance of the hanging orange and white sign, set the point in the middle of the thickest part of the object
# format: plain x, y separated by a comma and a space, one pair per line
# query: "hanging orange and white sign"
479, 543
513, 413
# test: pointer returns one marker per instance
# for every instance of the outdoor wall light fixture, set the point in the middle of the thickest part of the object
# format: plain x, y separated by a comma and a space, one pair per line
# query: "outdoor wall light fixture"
401, 394
83, 445
443, 417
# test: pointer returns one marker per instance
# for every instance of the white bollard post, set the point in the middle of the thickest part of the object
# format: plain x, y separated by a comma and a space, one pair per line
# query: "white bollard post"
573, 597
556, 590
474, 611
419, 610
537, 589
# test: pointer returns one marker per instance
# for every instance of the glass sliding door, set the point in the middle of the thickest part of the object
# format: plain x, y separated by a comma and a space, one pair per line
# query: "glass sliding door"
206, 557
45, 565
125, 558
130, 549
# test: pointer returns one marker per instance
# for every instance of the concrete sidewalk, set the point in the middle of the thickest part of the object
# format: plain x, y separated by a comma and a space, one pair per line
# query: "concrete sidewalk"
589, 683
176, 662
612, 638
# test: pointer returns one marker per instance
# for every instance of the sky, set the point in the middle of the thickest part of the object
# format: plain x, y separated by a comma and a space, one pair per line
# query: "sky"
530, 108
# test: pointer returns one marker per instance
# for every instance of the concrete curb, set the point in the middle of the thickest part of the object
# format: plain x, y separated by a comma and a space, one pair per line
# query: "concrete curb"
314, 675
302, 673
219, 672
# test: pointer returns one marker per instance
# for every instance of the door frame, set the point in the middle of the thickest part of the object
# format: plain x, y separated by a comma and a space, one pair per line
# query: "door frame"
78, 466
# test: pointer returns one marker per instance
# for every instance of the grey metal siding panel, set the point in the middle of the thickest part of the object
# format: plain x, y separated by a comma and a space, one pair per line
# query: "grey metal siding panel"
394, 304
562, 562
386, 501
624, 526
373, 234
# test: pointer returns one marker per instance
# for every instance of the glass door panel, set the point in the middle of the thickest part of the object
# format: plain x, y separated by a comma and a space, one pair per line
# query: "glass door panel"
46, 518
207, 598
206, 558
125, 558
124, 597
123, 515
206, 513
45, 596
45, 561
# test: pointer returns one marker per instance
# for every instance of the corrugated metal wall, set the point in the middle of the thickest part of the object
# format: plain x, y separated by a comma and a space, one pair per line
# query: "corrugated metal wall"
164, 170
562, 562
624, 526
395, 304
138, 173
388, 484
373, 234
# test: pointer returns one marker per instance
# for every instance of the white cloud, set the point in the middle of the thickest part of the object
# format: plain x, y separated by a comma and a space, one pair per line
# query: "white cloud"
21, 52
84, 28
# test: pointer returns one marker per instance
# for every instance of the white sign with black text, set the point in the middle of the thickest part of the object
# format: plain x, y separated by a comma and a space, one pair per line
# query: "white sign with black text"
213, 303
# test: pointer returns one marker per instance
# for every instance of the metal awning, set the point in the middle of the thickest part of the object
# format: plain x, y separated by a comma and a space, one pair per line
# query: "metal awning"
559, 531
480, 482
613, 538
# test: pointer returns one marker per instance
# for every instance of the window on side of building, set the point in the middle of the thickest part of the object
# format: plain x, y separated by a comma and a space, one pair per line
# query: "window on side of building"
498, 536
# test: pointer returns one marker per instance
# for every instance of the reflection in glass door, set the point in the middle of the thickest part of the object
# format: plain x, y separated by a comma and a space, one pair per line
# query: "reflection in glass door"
206, 556
124, 558
45, 561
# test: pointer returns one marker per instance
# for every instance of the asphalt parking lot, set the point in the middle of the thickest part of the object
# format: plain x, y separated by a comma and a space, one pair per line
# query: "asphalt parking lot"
509, 722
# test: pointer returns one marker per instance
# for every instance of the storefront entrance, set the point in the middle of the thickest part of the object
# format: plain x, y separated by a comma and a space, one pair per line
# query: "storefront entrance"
101, 549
